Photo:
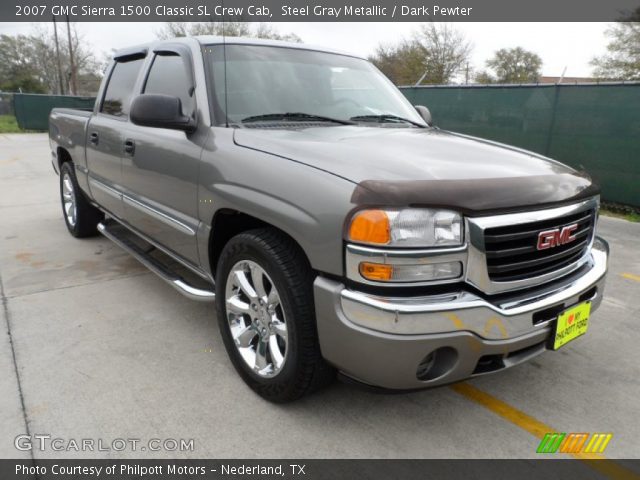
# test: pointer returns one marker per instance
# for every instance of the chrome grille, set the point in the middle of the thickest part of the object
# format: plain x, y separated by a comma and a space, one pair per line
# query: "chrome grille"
512, 254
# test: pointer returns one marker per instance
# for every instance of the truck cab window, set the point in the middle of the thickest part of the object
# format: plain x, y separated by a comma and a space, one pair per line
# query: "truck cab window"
120, 87
169, 77
270, 80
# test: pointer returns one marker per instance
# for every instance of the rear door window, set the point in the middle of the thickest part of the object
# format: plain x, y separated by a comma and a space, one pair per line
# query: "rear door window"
120, 87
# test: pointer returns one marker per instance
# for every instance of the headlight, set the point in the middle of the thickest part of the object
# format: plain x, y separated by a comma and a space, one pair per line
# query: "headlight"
409, 227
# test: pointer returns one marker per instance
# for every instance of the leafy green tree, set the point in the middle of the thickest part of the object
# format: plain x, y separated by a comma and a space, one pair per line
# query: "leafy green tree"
18, 70
622, 60
28, 63
484, 78
515, 65
403, 64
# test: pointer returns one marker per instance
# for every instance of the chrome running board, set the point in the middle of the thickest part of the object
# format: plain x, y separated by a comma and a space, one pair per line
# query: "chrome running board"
143, 256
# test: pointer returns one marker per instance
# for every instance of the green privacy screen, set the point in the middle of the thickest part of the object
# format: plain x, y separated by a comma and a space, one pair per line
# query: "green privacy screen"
591, 127
594, 127
32, 111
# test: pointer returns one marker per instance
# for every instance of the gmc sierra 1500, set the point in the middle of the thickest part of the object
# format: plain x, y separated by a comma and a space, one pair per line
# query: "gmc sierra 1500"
336, 229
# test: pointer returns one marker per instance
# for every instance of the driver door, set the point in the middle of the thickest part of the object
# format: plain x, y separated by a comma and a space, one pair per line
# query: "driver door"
160, 166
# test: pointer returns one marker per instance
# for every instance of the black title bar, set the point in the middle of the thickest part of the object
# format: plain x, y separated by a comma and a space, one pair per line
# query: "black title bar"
268, 469
318, 10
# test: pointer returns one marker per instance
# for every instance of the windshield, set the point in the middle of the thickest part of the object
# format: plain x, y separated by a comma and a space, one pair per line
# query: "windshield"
274, 81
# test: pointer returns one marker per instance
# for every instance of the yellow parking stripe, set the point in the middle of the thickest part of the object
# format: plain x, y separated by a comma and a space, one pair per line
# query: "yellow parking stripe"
631, 276
539, 429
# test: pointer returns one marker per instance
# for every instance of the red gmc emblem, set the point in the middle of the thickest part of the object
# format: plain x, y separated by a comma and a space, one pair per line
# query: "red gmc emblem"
556, 237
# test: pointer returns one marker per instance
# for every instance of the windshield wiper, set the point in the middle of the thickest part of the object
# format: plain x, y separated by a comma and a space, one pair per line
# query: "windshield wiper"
294, 116
385, 117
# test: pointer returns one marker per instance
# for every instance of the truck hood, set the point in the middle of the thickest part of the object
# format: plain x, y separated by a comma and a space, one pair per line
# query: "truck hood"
407, 166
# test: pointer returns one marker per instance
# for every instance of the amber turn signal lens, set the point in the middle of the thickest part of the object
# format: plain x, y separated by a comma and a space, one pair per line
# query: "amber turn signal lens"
376, 271
370, 226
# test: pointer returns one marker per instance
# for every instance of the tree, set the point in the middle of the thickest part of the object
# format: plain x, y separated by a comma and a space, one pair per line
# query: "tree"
85, 62
403, 64
436, 54
622, 60
18, 70
28, 63
266, 30
446, 52
229, 29
515, 65
484, 78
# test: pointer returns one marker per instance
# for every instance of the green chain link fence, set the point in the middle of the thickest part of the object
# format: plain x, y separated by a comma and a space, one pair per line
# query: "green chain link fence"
592, 127
32, 110
6, 104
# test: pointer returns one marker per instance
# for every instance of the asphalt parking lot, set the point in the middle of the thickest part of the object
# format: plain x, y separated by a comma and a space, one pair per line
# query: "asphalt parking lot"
95, 346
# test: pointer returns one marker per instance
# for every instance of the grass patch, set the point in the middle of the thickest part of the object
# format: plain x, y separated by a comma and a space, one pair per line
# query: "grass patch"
8, 124
628, 216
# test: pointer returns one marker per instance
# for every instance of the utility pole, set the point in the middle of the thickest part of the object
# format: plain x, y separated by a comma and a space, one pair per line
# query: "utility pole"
55, 36
74, 80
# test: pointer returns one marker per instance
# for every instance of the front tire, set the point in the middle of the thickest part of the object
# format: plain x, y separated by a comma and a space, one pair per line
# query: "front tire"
80, 216
265, 310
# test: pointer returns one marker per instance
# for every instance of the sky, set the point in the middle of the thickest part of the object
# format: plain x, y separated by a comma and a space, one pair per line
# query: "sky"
560, 45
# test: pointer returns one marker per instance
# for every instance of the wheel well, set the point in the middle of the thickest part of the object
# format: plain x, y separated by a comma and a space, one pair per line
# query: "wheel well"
63, 156
229, 223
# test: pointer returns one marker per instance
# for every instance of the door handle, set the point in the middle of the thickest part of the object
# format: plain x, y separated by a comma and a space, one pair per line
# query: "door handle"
129, 146
93, 138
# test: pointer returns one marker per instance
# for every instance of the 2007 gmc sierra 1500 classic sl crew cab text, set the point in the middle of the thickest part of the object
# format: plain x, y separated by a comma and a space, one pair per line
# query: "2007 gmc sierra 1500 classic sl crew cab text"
336, 229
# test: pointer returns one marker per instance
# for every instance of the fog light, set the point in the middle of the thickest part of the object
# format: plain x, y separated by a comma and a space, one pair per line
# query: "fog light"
437, 364
410, 273
376, 271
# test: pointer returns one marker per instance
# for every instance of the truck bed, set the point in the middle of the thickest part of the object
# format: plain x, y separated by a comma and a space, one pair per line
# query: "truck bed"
68, 129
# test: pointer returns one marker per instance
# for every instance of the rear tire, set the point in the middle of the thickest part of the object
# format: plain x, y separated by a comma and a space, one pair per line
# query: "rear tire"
266, 315
80, 216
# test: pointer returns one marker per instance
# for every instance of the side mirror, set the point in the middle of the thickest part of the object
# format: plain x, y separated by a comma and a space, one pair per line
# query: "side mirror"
425, 114
160, 111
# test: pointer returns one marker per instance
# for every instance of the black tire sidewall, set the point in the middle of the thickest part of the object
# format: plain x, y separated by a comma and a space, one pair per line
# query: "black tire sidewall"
87, 216
245, 247
67, 168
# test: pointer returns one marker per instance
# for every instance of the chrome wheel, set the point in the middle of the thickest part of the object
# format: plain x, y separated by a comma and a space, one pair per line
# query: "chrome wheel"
256, 318
69, 200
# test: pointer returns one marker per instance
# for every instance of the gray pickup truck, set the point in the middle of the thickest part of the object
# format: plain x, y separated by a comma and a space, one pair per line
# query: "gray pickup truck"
335, 228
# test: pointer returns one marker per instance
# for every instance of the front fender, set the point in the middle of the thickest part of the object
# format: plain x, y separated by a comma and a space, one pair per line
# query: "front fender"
308, 204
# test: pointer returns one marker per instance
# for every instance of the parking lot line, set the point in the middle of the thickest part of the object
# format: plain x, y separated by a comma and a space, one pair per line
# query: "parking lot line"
539, 429
631, 276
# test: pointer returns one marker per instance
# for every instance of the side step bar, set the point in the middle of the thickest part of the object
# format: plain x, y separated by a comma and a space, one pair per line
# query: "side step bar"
176, 281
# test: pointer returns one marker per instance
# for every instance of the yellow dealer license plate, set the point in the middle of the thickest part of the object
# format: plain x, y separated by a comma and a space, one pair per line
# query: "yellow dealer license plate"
572, 323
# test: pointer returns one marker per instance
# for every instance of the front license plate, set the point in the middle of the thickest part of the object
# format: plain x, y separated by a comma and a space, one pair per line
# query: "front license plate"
572, 323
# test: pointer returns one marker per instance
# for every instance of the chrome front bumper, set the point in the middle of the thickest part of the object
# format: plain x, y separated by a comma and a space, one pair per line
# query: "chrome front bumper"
382, 341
